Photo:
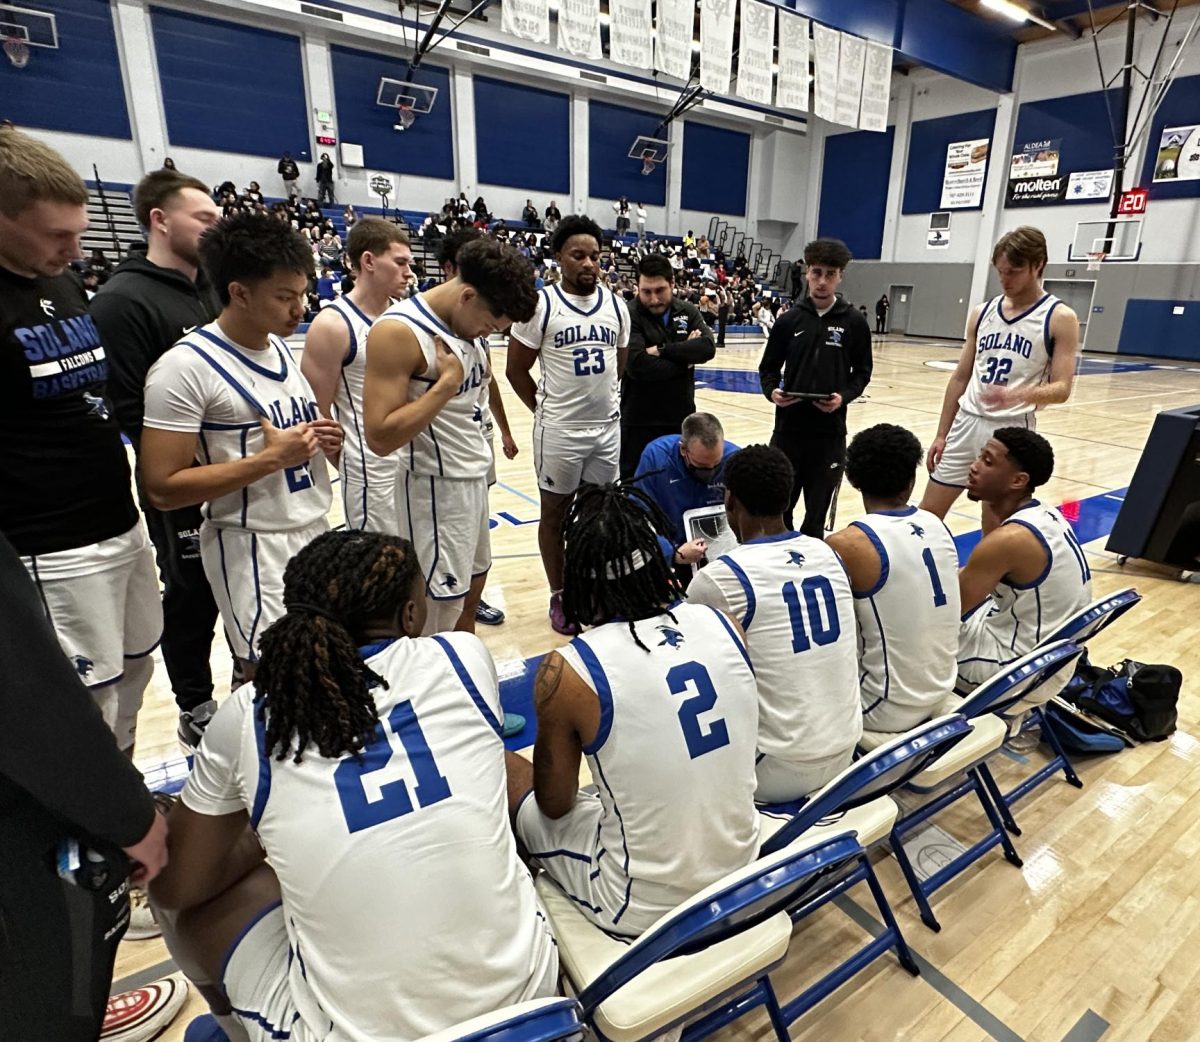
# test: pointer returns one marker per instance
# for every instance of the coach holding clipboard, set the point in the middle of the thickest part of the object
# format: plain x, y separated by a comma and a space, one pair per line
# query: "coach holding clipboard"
817, 360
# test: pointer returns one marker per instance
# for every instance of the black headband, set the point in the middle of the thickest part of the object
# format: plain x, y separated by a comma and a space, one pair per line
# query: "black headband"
312, 609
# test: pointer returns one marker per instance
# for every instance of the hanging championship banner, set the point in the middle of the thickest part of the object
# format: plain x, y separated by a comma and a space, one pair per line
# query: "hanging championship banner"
528, 19
825, 45
877, 88
791, 90
851, 59
673, 37
631, 33
716, 44
756, 52
579, 28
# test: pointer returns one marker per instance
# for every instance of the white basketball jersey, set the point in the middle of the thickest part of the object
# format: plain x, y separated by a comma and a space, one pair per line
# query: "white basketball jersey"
1023, 615
673, 759
407, 907
794, 602
577, 339
908, 621
208, 385
357, 462
453, 445
1012, 353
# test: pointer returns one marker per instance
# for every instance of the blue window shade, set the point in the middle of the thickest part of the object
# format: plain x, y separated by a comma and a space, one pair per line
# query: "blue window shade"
426, 149
1180, 108
716, 163
1080, 122
522, 136
927, 156
77, 88
854, 187
612, 129
229, 87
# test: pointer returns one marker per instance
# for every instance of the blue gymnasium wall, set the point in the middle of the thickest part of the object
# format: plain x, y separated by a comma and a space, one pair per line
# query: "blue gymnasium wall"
853, 209
426, 149
78, 88
1151, 328
716, 164
1080, 121
522, 136
219, 79
1180, 108
611, 173
927, 156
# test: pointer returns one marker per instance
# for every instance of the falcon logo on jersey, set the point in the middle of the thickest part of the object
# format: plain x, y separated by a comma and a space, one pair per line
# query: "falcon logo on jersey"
917, 530
97, 406
47, 306
835, 336
449, 581
796, 558
83, 666
671, 636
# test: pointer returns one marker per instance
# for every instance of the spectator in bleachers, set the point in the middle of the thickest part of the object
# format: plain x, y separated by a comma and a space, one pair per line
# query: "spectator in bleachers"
252, 194
325, 180
99, 264
330, 250
349, 217
689, 239
326, 288
641, 220
530, 215
481, 211
553, 216
290, 173
621, 209
168, 163
703, 247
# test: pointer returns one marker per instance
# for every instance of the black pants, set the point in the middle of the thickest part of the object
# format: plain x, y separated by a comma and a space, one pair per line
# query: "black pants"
817, 461
58, 942
634, 441
325, 195
880, 322
189, 611
722, 322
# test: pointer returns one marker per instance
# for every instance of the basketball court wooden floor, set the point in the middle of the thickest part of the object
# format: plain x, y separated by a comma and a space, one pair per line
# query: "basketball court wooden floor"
1096, 936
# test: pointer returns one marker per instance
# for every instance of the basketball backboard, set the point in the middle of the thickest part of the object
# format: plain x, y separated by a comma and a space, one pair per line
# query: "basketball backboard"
1118, 238
396, 94
31, 26
649, 148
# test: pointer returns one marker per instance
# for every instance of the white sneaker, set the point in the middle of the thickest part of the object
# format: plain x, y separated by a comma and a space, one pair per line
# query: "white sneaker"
144, 1013
142, 924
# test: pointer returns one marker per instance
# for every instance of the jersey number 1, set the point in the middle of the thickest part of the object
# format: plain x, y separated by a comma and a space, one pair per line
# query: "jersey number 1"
394, 799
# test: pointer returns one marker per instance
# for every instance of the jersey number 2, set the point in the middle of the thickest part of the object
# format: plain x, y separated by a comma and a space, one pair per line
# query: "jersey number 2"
699, 741
394, 799
585, 368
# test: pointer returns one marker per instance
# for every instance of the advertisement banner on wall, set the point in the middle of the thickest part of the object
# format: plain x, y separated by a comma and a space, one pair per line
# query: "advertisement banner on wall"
966, 168
1178, 156
937, 239
1035, 159
1083, 186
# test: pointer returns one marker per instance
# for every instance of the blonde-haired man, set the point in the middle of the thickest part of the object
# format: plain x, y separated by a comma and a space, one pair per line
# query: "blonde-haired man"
68, 507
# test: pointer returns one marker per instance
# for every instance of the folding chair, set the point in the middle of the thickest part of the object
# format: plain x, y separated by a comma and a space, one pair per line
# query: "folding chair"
706, 962
1097, 616
539, 1020
1005, 692
857, 800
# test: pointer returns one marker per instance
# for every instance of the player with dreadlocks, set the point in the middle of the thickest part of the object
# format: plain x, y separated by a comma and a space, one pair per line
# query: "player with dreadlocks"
638, 694
354, 729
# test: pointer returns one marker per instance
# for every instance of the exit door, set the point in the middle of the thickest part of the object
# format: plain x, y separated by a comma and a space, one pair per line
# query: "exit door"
1077, 294
900, 298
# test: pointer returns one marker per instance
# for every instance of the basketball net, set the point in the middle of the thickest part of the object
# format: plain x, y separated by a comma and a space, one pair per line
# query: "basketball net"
1095, 260
648, 166
17, 51
405, 117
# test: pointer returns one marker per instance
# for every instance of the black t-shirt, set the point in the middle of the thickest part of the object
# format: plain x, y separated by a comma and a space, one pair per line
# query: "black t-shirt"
63, 467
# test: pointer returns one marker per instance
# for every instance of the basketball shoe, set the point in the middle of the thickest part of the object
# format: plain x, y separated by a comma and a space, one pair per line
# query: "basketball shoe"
144, 1013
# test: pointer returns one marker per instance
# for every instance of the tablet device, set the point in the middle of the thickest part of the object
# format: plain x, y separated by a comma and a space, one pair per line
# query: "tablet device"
806, 396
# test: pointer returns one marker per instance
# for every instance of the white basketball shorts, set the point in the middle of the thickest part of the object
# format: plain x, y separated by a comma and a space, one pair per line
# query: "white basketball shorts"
446, 520
565, 459
245, 571
968, 435
369, 494
980, 652
106, 608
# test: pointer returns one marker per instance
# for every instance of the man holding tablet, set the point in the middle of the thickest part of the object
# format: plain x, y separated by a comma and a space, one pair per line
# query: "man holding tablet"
817, 360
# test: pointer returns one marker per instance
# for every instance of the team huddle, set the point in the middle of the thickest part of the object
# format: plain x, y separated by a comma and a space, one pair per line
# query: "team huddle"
347, 853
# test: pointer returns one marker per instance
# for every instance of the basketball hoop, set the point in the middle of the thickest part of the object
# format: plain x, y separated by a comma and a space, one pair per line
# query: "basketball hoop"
405, 117
648, 162
17, 51
1095, 260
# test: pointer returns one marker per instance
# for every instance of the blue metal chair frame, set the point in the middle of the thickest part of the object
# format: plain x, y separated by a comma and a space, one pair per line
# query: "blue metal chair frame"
781, 882
1097, 616
1001, 692
879, 773
550, 1023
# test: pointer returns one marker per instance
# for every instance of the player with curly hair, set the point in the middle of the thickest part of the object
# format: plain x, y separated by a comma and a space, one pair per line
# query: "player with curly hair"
231, 422
903, 568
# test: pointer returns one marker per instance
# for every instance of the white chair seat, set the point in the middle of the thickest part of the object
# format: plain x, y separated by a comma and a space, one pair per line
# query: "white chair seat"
870, 823
487, 1020
667, 991
988, 735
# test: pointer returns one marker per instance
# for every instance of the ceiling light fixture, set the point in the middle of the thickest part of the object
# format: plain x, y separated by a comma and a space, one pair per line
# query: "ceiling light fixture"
1016, 12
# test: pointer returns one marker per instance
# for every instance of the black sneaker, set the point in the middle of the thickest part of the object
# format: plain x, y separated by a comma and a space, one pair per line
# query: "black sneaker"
192, 723
488, 615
